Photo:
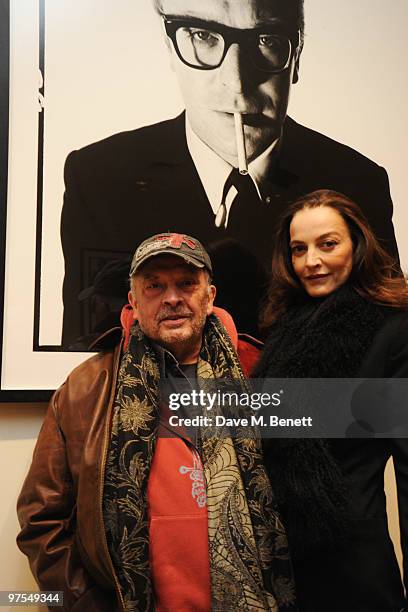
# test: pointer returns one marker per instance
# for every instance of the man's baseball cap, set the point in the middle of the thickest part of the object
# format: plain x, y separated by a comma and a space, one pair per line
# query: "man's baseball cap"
180, 245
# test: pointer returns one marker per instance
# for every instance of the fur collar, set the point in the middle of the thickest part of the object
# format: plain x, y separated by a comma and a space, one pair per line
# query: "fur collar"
321, 338
317, 338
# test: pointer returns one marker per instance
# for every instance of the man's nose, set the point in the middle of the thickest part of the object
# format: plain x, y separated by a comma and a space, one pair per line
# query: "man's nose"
172, 296
235, 69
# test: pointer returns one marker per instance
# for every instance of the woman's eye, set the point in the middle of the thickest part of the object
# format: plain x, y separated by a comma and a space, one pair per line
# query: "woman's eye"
329, 244
298, 249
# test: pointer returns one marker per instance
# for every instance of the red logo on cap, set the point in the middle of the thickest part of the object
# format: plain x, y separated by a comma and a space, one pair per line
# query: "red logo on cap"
176, 240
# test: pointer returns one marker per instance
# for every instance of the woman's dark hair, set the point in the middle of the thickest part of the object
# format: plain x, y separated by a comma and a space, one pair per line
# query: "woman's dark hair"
374, 275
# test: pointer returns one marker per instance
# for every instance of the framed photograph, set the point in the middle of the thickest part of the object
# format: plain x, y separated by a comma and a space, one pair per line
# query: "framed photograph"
73, 74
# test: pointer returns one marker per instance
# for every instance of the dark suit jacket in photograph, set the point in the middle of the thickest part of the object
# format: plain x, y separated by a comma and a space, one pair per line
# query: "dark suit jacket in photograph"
134, 184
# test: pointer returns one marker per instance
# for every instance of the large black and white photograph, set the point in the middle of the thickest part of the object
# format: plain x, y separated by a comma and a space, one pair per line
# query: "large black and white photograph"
132, 118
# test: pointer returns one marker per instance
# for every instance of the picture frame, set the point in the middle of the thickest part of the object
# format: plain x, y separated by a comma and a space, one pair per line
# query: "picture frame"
71, 76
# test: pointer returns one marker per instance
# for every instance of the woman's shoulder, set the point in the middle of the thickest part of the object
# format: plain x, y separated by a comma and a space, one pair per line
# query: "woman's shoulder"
388, 353
395, 325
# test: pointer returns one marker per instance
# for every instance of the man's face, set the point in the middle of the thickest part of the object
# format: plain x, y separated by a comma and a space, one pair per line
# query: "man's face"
212, 96
171, 301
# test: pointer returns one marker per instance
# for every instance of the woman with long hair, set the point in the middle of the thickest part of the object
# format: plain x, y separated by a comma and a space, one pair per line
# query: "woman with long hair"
337, 308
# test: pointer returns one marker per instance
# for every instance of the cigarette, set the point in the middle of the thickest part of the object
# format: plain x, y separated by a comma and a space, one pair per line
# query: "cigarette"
240, 138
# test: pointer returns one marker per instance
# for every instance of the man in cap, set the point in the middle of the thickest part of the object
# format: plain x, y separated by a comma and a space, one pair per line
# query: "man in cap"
120, 517
230, 57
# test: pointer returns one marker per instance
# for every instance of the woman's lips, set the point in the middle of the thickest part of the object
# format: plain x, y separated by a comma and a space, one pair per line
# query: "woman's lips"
316, 278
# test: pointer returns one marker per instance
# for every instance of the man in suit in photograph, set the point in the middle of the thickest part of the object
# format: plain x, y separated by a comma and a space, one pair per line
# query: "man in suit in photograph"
229, 57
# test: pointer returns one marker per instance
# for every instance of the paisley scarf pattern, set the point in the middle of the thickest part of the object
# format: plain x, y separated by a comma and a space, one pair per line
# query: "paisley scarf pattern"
249, 558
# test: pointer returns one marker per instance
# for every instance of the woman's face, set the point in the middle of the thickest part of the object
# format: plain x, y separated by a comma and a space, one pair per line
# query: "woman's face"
322, 249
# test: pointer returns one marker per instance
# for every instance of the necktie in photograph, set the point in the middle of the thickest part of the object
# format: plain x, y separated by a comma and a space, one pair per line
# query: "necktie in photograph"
244, 202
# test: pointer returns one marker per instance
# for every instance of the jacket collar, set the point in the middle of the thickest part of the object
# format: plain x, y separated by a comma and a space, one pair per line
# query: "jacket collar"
173, 148
108, 340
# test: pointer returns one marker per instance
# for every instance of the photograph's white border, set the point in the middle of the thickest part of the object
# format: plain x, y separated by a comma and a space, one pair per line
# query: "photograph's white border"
353, 87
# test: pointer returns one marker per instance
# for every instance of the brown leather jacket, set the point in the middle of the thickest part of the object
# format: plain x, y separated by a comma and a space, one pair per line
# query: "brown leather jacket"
60, 505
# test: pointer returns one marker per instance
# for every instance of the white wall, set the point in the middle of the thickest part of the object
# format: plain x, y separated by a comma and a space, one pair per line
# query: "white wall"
19, 426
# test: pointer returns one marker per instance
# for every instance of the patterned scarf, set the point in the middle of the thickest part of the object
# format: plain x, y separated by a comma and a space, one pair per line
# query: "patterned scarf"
249, 558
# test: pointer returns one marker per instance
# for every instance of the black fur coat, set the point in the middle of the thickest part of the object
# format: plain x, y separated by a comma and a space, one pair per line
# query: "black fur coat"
320, 338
